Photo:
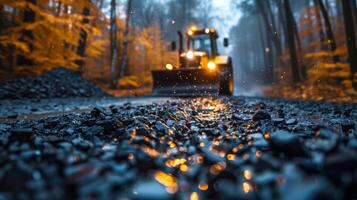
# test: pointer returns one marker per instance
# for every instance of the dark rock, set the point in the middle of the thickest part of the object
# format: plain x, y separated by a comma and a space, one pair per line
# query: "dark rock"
108, 125
150, 190
160, 126
287, 143
277, 121
81, 173
261, 115
15, 178
236, 117
210, 157
95, 112
326, 141
94, 130
347, 126
340, 163
290, 122
22, 134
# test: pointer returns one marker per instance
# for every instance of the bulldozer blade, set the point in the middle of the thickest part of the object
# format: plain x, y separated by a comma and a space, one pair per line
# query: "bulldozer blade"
185, 82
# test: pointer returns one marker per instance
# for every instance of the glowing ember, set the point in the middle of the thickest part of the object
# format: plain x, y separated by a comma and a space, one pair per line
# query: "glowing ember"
194, 196
130, 156
175, 162
247, 187
203, 186
172, 145
151, 152
184, 168
247, 174
267, 136
258, 154
167, 180
217, 168
231, 157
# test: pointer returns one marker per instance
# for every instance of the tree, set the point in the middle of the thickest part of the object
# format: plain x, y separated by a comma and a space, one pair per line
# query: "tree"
29, 17
204, 16
330, 36
265, 10
124, 55
319, 24
82, 43
271, 30
350, 39
181, 14
113, 40
291, 41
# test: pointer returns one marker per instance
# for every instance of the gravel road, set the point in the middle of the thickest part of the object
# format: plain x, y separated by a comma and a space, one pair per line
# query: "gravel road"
196, 148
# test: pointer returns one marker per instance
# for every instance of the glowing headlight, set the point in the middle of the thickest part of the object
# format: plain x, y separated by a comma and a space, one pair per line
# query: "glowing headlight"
211, 65
189, 55
207, 30
169, 67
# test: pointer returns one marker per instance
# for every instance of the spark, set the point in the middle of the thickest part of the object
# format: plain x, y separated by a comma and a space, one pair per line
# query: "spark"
194, 196
203, 186
247, 174
246, 187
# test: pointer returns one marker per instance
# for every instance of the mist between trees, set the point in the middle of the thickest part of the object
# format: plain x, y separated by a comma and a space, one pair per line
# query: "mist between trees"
294, 42
274, 42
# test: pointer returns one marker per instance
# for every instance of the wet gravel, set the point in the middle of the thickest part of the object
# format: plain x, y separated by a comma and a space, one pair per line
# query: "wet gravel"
11, 110
204, 148
58, 83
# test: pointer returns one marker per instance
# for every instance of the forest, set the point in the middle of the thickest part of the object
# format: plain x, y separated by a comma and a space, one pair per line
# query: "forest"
304, 49
178, 99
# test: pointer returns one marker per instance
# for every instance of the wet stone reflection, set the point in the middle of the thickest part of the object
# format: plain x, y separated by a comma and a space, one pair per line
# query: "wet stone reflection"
202, 148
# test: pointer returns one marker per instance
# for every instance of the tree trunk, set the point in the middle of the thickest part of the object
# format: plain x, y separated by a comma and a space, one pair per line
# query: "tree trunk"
270, 25
319, 24
262, 41
291, 41
266, 50
303, 73
59, 9
124, 54
329, 31
113, 41
354, 12
310, 26
28, 17
350, 39
2, 20
82, 43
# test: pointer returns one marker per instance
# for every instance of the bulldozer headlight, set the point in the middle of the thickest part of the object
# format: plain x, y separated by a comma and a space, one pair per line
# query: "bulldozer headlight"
189, 55
169, 67
211, 65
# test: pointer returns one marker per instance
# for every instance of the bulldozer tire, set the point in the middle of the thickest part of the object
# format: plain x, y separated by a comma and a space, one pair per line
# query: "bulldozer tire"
226, 86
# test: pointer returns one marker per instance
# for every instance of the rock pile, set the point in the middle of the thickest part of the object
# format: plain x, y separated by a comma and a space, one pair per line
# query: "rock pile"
186, 149
58, 83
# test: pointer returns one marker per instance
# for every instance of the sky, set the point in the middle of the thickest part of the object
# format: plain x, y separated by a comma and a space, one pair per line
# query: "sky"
230, 18
224, 23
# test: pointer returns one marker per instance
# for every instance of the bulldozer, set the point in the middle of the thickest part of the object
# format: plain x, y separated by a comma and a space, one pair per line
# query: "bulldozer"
201, 70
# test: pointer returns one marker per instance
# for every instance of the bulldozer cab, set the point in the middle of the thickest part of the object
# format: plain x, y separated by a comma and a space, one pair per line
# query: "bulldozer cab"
203, 41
